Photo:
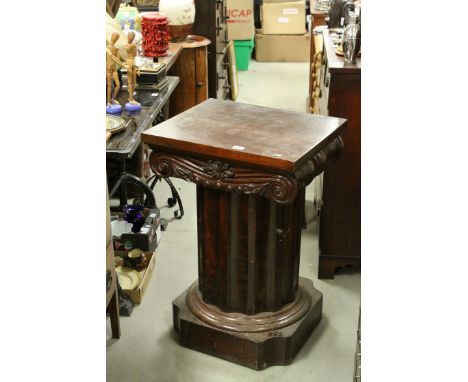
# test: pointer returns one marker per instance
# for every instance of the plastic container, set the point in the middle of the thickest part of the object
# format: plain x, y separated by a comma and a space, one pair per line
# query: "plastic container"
243, 50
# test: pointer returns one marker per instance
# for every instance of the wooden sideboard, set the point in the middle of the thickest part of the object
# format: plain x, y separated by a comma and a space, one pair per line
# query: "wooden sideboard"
210, 21
340, 216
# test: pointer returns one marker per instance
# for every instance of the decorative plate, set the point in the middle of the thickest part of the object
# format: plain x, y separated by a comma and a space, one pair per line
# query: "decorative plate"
129, 278
114, 123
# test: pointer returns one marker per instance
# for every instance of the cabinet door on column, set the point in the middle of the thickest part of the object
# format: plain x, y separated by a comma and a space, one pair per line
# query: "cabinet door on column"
191, 68
201, 74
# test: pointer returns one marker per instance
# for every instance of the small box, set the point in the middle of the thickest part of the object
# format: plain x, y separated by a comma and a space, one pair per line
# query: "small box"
146, 239
137, 294
243, 53
240, 22
151, 73
282, 48
284, 18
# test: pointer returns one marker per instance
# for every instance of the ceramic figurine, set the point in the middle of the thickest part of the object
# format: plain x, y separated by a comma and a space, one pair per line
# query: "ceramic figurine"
112, 59
131, 48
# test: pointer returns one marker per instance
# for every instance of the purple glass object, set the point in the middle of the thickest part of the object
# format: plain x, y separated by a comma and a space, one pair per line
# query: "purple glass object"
138, 222
134, 215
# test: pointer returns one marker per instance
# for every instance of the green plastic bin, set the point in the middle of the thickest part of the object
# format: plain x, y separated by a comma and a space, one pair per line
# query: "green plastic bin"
243, 50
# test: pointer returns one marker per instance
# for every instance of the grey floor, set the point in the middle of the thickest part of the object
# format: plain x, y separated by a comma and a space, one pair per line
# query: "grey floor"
148, 351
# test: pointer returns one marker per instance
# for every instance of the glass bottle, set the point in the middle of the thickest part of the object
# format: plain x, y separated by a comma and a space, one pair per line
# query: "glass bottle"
351, 39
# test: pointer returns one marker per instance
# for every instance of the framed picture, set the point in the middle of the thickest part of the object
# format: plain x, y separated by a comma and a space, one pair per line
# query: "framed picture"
232, 70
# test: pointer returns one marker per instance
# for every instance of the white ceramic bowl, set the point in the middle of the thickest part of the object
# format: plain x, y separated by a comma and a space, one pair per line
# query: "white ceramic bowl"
120, 226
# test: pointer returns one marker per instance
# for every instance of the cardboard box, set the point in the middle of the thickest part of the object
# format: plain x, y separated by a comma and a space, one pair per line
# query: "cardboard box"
147, 239
137, 294
282, 48
240, 22
284, 18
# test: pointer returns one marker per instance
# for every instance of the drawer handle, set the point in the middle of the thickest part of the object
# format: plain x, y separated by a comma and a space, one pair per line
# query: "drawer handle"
199, 84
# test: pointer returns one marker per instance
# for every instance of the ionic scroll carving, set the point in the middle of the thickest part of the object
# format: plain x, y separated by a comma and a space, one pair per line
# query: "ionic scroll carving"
218, 175
313, 167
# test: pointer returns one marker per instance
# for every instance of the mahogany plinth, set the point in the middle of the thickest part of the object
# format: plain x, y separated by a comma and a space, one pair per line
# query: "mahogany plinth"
254, 349
251, 165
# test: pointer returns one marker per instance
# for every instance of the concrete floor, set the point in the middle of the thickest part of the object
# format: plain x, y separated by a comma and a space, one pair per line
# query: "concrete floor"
148, 351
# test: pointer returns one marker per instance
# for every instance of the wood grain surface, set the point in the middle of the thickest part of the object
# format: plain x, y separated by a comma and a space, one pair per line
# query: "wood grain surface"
275, 139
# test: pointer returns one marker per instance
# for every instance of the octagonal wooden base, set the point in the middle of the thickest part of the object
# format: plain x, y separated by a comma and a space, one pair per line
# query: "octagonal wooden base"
250, 347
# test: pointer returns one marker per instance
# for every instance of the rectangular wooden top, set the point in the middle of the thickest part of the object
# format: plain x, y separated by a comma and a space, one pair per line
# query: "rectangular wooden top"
253, 135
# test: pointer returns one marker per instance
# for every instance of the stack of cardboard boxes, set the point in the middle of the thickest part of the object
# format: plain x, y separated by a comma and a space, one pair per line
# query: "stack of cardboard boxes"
283, 37
241, 30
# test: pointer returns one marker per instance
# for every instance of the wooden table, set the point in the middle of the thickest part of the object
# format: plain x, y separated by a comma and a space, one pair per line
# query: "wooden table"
251, 165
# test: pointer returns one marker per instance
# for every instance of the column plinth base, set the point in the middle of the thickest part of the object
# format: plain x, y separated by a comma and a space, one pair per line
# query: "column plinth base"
266, 339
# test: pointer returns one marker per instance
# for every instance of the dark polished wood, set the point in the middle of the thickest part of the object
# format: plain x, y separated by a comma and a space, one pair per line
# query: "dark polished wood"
340, 217
210, 21
249, 305
256, 350
277, 140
